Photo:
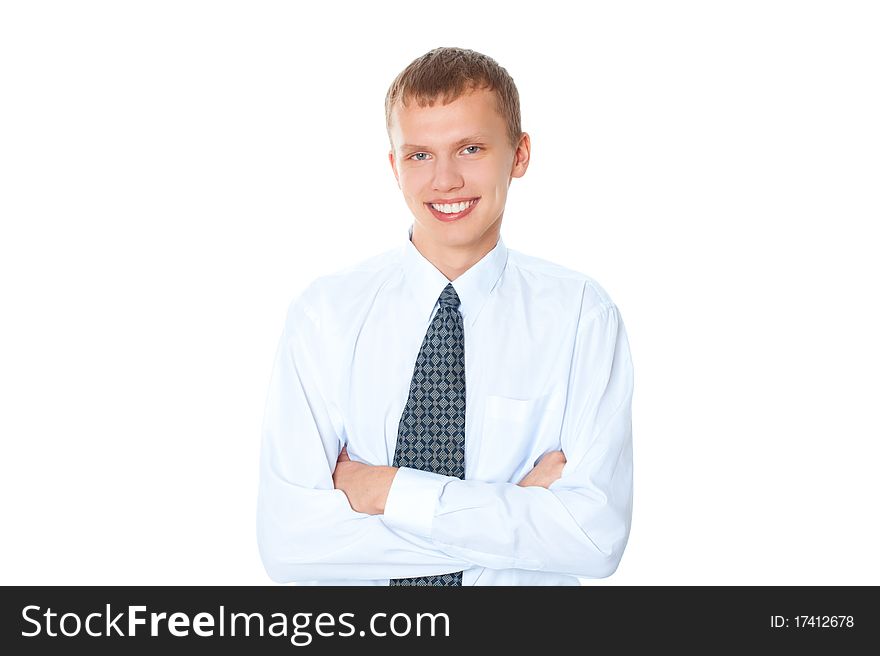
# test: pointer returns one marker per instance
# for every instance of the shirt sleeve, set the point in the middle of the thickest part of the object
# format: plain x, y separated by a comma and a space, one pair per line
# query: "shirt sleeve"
580, 525
306, 529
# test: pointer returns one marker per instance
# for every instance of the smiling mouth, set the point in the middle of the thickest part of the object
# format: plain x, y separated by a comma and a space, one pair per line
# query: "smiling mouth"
452, 211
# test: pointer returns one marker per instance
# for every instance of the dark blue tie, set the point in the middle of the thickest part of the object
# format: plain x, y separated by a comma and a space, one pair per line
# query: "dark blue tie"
430, 436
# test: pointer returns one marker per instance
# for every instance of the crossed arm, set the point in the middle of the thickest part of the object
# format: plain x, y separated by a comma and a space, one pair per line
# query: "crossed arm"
367, 486
322, 516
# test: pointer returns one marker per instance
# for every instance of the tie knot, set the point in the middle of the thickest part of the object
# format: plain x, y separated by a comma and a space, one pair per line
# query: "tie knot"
448, 298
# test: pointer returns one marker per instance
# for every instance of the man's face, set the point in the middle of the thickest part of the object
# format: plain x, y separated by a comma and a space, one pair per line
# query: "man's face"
454, 164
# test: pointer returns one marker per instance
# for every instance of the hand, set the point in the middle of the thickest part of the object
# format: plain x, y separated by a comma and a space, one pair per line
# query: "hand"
366, 486
548, 469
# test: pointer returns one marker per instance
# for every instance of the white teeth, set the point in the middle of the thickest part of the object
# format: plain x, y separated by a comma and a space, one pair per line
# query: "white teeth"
453, 208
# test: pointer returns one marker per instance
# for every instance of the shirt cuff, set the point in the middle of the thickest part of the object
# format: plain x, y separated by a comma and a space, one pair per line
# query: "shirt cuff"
412, 500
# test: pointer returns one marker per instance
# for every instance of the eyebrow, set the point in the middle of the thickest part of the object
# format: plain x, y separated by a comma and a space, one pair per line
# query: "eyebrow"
474, 139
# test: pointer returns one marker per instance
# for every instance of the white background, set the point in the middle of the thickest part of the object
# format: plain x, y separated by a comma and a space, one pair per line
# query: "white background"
172, 174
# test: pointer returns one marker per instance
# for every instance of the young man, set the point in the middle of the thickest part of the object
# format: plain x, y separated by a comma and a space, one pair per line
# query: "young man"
450, 412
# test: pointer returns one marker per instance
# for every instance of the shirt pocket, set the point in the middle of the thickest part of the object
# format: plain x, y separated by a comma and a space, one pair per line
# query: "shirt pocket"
515, 434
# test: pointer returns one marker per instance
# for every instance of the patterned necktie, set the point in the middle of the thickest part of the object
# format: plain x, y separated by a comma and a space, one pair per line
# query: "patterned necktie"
430, 436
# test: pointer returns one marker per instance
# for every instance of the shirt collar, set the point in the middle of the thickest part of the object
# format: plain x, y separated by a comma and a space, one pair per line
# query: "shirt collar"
473, 286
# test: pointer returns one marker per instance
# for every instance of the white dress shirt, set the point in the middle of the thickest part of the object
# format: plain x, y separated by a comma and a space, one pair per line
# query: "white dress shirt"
547, 367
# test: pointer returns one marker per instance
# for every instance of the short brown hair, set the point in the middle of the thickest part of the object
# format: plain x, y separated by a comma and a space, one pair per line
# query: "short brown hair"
447, 74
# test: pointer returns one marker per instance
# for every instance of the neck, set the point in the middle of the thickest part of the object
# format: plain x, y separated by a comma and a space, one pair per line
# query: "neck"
451, 260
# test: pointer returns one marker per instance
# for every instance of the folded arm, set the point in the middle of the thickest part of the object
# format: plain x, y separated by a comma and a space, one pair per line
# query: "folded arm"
577, 526
367, 486
306, 529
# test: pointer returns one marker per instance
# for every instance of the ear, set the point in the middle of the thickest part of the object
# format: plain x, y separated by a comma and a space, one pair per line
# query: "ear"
394, 167
521, 156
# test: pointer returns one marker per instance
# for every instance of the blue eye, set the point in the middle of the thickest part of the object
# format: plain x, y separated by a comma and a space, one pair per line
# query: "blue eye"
477, 147
416, 156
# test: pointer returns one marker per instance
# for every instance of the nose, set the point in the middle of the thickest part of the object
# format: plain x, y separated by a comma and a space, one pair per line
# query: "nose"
447, 175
